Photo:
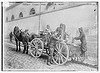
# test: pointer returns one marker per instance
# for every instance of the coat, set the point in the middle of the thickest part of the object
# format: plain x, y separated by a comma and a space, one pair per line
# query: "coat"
83, 41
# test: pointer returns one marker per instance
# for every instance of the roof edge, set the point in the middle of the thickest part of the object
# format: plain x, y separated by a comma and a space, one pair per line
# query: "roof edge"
14, 5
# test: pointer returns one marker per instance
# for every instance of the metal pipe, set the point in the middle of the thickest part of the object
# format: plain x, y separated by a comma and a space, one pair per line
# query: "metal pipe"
39, 17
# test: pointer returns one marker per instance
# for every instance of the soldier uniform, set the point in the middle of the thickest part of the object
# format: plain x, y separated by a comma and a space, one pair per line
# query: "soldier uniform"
83, 45
47, 42
52, 43
47, 29
59, 31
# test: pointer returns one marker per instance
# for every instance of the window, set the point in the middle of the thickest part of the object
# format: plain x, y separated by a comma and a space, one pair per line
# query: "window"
12, 17
32, 11
20, 15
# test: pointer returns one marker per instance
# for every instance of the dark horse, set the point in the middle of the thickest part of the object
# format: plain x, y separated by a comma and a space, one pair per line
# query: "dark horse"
22, 36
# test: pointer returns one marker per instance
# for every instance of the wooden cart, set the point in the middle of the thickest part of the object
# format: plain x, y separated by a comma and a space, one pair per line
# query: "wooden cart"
61, 51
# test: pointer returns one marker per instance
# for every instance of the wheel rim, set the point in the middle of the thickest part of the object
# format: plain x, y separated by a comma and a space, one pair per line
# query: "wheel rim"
36, 47
61, 53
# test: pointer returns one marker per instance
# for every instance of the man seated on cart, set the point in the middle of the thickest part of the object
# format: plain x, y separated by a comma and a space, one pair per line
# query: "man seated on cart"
82, 39
47, 29
61, 34
59, 31
26, 31
47, 33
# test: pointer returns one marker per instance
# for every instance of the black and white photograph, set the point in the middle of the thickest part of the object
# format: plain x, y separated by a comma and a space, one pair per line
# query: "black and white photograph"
50, 36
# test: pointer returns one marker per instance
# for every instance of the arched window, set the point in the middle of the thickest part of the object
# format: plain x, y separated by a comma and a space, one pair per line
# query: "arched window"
20, 15
12, 17
32, 11
6, 19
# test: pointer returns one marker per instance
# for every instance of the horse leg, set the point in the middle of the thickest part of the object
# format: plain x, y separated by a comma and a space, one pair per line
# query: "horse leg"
19, 46
16, 44
24, 48
47, 51
11, 36
27, 48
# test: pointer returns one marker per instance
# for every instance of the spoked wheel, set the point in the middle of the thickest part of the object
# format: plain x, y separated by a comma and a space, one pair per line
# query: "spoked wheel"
61, 53
36, 47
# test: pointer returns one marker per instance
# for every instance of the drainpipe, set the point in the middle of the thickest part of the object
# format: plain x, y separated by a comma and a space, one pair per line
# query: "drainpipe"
39, 17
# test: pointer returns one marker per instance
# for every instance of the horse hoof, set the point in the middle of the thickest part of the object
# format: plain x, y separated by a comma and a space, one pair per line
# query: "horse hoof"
48, 64
19, 50
51, 62
16, 50
26, 52
23, 51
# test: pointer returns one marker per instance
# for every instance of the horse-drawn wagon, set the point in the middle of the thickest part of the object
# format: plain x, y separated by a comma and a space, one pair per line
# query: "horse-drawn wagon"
62, 50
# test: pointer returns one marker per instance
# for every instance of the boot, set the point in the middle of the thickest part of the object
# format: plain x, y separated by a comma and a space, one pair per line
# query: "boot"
51, 62
16, 49
26, 52
19, 49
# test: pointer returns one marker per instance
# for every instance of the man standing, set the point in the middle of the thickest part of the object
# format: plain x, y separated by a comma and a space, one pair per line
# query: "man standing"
55, 37
59, 31
82, 38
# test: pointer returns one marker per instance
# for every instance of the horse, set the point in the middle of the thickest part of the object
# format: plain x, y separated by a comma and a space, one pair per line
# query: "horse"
22, 36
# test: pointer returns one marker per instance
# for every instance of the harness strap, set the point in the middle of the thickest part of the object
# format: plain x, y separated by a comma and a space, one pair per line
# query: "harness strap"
15, 36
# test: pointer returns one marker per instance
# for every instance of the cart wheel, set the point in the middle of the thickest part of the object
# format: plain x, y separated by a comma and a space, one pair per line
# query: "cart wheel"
36, 47
61, 53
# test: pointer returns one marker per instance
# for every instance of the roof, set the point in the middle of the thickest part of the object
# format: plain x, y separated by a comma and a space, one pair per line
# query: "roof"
13, 5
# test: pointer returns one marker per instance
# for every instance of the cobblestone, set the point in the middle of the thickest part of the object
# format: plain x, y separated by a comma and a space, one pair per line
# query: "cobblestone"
18, 60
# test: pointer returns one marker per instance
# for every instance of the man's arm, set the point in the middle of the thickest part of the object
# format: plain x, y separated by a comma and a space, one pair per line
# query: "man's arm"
78, 38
